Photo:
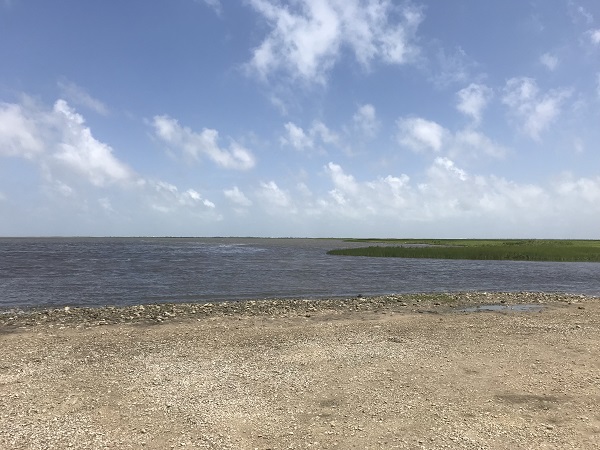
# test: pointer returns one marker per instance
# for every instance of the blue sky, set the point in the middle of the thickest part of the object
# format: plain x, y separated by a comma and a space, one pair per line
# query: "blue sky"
318, 118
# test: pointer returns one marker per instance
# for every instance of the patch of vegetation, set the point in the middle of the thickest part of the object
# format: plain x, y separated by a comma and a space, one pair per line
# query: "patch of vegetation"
479, 249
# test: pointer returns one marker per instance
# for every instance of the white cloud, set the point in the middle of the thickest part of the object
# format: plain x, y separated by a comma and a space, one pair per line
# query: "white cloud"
306, 140
19, 134
73, 165
447, 192
473, 99
204, 143
168, 198
519, 92
274, 197
549, 61
237, 197
420, 134
358, 200
307, 36
296, 137
585, 190
537, 112
342, 182
192, 197
365, 120
77, 95
58, 138
83, 153
444, 169
304, 44
320, 130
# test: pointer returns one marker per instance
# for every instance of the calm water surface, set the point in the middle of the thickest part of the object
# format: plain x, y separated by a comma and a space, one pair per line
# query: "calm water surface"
128, 271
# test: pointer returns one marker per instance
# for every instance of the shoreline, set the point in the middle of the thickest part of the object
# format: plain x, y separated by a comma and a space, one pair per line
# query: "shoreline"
168, 312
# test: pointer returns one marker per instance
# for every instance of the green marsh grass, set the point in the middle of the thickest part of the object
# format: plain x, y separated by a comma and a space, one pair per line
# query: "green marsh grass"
479, 249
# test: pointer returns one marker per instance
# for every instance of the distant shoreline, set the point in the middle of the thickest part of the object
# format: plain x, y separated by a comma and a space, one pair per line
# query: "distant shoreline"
551, 250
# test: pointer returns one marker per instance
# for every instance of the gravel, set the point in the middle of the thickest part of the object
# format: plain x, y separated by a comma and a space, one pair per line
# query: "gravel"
398, 371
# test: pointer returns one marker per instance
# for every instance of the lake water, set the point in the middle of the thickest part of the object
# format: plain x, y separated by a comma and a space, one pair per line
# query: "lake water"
128, 271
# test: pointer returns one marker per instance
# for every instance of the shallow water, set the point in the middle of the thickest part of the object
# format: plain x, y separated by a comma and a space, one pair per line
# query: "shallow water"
128, 271
507, 308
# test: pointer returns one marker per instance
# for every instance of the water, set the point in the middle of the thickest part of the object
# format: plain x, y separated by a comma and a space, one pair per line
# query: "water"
509, 308
129, 271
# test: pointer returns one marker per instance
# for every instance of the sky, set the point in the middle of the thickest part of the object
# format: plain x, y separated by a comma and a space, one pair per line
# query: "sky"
300, 118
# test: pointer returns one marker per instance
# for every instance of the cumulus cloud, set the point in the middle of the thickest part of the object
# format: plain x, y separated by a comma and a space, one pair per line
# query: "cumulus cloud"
422, 135
446, 192
167, 197
237, 197
74, 166
83, 153
344, 184
473, 99
585, 190
19, 131
274, 197
78, 96
59, 137
296, 137
419, 134
308, 36
320, 130
204, 143
535, 110
370, 198
354, 199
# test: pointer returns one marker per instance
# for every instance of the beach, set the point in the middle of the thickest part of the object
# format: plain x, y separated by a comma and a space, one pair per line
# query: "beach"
412, 371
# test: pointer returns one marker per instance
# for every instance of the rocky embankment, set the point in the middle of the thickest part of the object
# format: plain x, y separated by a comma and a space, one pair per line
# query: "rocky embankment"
158, 313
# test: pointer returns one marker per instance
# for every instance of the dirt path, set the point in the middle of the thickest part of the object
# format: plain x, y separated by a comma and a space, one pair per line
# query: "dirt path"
401, 374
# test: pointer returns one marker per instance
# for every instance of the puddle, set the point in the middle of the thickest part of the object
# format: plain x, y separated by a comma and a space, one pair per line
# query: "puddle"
514, 308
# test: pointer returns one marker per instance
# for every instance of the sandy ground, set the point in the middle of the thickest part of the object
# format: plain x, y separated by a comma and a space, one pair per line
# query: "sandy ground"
406, 373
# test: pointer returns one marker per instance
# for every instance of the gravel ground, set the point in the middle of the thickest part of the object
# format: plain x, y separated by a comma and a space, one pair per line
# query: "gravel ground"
406, 371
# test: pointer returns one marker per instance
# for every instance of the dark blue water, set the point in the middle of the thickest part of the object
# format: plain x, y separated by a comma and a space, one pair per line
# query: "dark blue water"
129, 271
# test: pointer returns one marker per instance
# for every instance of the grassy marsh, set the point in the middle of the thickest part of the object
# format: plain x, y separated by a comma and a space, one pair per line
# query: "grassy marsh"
479, 249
